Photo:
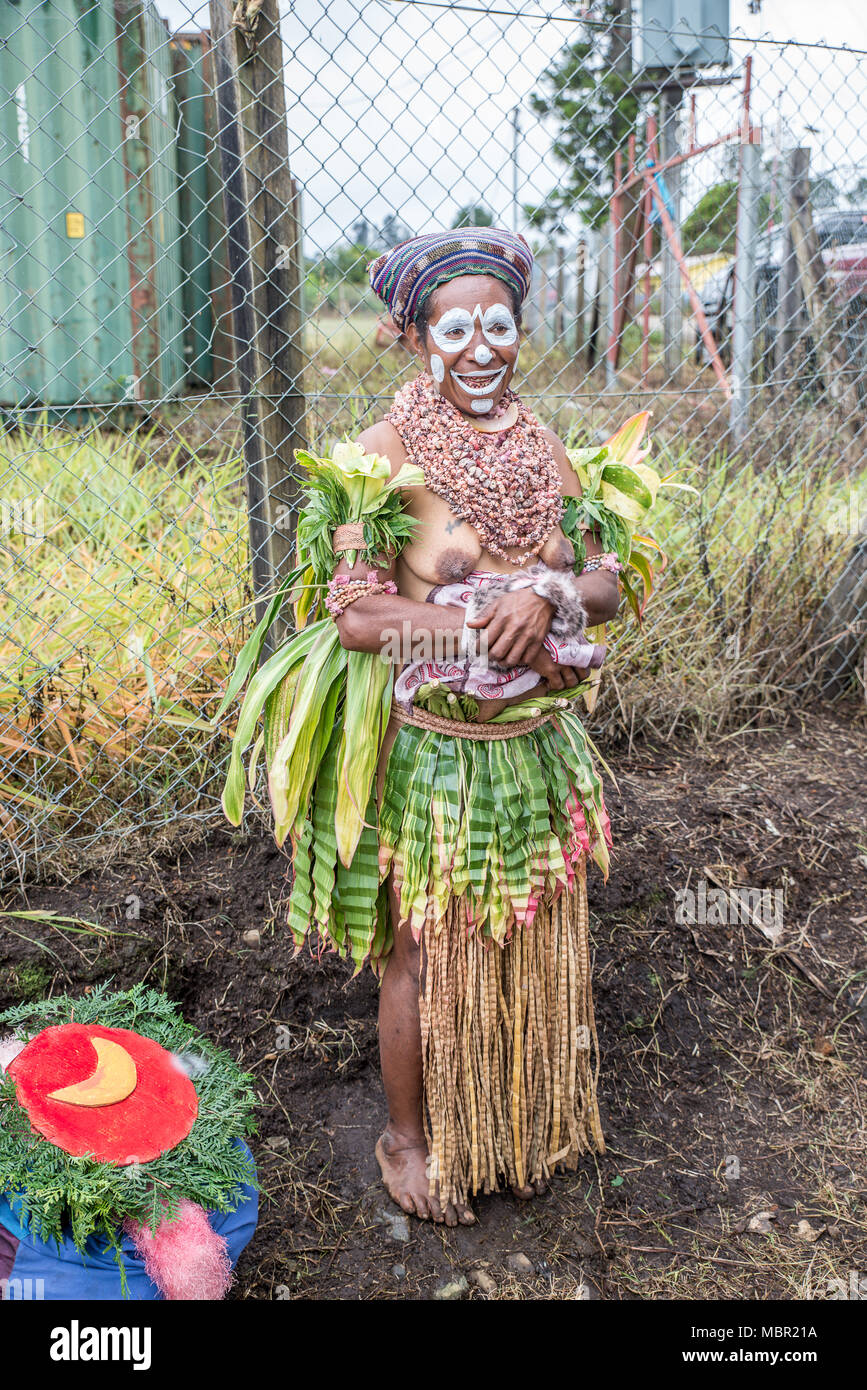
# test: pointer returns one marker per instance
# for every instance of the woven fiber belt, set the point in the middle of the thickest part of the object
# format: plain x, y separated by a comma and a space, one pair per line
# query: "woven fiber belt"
458, 728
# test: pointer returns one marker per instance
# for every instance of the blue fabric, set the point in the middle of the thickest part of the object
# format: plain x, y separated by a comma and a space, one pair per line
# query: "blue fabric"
655, 215
41, 1270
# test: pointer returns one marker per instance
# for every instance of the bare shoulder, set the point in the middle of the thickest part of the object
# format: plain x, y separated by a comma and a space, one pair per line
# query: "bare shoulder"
382, 438
571, 485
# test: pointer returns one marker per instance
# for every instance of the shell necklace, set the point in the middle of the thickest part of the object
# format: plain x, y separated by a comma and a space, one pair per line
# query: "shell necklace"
505, 484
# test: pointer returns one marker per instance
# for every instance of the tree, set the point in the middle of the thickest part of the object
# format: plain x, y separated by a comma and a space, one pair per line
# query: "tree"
393, 232
823, 191
473, 215
711, 224
348, 263
859, 192
588, 92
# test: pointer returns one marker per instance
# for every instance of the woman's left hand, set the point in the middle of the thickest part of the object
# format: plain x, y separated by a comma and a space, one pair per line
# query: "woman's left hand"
516, 626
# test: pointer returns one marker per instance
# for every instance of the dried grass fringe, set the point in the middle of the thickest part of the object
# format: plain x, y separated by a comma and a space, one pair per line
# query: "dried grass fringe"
511, 1059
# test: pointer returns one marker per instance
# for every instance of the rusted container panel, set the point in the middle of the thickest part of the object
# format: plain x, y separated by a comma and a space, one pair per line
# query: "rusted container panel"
206, 287
89, 259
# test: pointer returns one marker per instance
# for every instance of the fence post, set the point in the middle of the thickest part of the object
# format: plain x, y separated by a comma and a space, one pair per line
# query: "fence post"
580, 291
263, 220
744, 306
828, 343
670, 290
788, 295
560, 311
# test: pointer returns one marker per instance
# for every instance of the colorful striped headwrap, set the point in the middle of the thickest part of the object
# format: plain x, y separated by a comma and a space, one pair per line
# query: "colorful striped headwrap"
406, 275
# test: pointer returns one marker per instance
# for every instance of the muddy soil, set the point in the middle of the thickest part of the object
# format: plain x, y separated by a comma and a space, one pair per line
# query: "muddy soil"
732, 1080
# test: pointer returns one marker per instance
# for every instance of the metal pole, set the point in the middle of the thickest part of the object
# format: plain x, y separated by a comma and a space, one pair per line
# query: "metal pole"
580, 264
610, 298
615, 319
744, 308
560, 311
788, 289
672, 314
516, 135
647, 205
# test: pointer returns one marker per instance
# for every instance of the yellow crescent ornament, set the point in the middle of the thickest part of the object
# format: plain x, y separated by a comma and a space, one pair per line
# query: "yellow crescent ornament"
114, 1079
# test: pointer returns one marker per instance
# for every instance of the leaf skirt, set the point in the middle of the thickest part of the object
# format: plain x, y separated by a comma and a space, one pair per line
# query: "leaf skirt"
502, 824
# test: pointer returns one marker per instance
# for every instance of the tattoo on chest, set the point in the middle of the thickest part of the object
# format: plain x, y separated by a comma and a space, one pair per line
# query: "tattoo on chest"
453, 525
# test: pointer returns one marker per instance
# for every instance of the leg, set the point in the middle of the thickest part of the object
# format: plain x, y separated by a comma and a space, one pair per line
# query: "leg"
402, 1149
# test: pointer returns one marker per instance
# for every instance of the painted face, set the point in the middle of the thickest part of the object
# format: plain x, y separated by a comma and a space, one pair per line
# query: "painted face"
472, 344
456, 329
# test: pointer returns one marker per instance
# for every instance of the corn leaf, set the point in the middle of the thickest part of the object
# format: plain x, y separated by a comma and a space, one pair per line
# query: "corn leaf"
368, 680
249, 653
290, 772
264, 681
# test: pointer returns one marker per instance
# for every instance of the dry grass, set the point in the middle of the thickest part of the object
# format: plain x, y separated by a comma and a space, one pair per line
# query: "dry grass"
121, 624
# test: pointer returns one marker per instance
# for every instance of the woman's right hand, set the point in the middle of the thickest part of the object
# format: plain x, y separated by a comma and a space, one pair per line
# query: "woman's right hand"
558, 677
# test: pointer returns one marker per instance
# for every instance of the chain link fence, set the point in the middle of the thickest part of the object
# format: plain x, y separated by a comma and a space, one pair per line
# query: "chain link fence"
189, 197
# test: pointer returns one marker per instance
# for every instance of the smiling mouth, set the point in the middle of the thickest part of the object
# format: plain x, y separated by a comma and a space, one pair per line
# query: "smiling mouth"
479, 383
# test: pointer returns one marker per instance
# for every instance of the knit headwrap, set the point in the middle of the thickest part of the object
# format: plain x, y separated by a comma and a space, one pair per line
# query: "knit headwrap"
406, 275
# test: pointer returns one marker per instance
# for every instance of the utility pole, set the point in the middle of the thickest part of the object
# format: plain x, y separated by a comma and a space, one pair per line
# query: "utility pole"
744, 307
672, 315
580, 265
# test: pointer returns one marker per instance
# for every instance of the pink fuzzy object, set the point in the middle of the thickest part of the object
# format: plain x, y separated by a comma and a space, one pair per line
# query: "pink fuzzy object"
186, 1258
9, 1049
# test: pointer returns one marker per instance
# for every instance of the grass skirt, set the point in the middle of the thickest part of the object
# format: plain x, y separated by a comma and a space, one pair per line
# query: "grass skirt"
488, 844
509, 1047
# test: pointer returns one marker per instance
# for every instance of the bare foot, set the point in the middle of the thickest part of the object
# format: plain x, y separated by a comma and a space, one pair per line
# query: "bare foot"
531, 1189
403, 1163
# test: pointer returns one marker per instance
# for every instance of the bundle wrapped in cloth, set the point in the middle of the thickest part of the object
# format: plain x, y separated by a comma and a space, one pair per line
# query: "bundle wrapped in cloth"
473, 673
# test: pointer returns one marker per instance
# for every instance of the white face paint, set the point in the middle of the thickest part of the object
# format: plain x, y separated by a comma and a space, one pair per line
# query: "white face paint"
482, 385
483, 355
482, 407
455, 329
437, 367
498, 325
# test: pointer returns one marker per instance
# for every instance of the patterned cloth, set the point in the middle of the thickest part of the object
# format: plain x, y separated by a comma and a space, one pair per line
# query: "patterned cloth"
406, 275
477, 678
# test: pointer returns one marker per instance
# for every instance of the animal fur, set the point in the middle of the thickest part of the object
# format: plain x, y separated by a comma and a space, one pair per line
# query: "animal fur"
559, 587
9, 1049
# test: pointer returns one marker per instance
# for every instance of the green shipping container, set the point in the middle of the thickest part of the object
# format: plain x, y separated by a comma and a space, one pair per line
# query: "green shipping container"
206, 288
90, 278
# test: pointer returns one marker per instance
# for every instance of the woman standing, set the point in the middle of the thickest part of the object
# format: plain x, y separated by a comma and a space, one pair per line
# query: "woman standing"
487, 1036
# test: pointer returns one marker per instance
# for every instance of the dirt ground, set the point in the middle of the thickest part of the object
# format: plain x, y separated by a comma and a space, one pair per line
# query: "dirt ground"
732, 1074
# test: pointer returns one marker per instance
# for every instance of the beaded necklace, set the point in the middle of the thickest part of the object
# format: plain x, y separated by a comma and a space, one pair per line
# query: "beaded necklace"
505, 484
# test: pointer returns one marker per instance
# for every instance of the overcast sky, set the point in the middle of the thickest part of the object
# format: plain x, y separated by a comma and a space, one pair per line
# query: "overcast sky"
406, 108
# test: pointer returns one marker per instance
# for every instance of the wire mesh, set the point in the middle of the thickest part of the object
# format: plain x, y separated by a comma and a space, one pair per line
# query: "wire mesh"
184, 298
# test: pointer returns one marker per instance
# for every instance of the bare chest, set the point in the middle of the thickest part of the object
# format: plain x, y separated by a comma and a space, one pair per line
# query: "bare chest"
446, 549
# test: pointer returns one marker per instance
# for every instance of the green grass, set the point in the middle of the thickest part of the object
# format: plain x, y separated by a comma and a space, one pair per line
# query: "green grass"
119, 623
119, 626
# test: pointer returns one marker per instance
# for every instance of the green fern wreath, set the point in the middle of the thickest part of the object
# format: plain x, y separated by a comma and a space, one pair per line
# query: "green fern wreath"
52, 1189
